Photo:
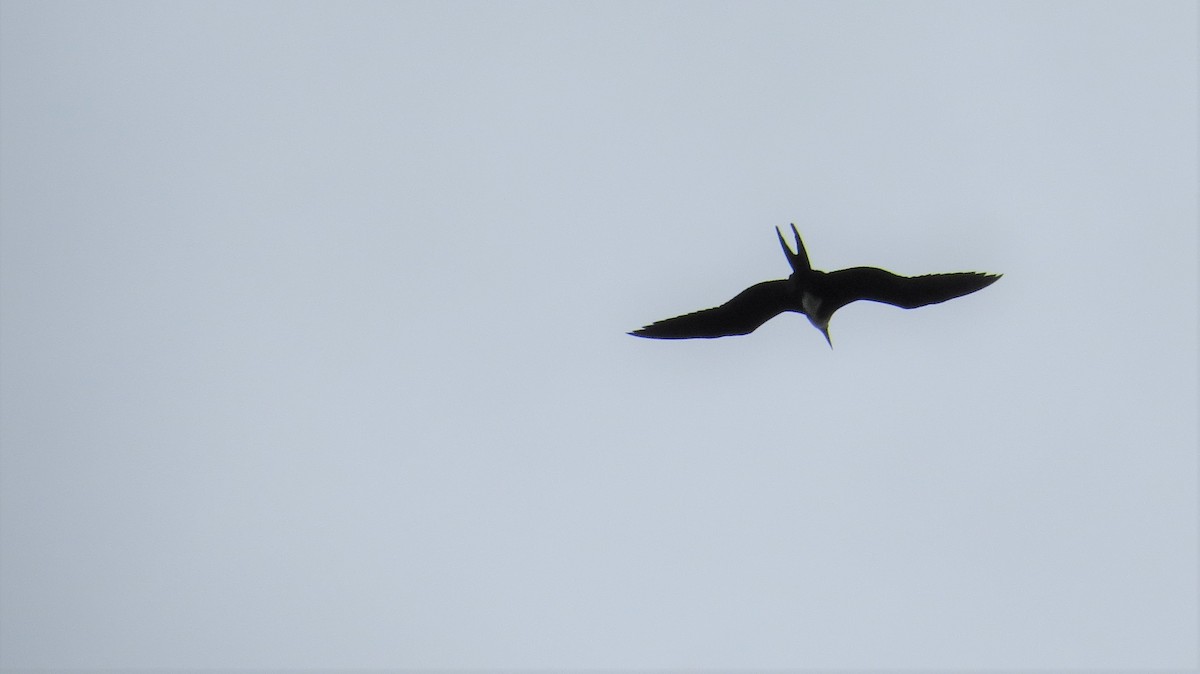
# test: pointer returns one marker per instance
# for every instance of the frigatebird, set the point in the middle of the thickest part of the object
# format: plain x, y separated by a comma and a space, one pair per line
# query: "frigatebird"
816, 294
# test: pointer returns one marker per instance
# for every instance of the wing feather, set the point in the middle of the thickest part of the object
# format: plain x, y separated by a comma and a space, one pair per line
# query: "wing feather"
739, 316
908, 292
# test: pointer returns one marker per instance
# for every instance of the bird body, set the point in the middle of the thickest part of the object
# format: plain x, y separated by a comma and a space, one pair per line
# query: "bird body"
817, 295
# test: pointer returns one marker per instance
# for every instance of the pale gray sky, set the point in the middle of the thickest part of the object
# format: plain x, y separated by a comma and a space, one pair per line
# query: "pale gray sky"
313, 345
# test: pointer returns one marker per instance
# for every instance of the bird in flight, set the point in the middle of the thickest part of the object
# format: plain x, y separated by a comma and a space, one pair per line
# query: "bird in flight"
816, 294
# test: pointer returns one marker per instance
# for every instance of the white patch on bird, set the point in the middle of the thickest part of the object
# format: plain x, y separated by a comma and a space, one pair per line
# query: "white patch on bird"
811, 304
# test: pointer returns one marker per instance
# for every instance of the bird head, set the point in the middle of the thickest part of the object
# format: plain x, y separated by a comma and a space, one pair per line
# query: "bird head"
825, 331
811, 304
822, 325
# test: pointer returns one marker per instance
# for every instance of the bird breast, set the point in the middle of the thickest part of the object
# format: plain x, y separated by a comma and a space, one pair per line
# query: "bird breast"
810, 303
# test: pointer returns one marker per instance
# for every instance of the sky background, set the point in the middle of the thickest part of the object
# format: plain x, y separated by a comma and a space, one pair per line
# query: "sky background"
313, 351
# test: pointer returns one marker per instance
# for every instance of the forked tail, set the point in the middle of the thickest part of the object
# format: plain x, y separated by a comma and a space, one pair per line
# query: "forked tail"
799, 258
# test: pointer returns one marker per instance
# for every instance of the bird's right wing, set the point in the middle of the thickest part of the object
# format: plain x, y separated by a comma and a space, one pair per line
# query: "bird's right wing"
909, 292
739, 316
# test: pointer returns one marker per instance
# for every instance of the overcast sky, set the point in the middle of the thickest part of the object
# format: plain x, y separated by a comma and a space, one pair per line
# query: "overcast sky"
313, 351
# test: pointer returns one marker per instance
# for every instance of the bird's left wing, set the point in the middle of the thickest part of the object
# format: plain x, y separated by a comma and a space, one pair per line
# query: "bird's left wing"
739, 316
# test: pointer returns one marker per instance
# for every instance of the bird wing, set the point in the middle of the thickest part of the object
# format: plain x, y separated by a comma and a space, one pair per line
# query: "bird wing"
739, 316
909, 292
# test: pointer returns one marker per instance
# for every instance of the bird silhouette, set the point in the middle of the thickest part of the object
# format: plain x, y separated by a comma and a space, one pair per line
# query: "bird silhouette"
816, 294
